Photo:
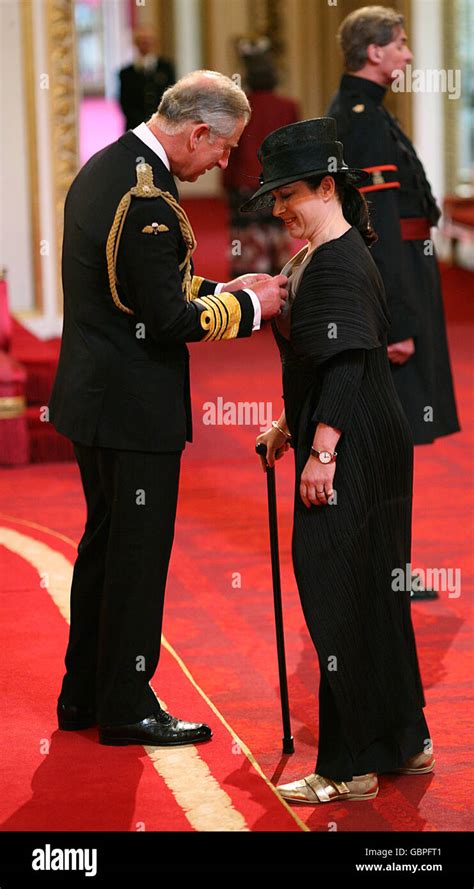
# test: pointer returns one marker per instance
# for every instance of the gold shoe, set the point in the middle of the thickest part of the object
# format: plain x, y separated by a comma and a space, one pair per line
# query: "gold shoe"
315, 789
420, 764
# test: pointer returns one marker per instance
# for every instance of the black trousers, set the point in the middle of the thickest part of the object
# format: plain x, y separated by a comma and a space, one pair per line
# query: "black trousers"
119, 580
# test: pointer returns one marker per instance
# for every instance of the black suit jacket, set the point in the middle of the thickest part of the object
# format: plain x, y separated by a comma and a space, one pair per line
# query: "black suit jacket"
123, 380
141, 91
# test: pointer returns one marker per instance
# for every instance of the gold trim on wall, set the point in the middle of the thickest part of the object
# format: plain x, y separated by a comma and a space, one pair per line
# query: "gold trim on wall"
205, 13
61, 49
31, 135
166, 26
401, 104
451, 108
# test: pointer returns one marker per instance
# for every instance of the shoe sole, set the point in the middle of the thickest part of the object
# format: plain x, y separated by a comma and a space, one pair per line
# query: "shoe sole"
423, 771
75, 726
124, 742
342, 798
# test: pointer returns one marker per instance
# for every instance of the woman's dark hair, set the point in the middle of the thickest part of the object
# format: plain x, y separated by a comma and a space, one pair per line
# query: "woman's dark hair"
353, 203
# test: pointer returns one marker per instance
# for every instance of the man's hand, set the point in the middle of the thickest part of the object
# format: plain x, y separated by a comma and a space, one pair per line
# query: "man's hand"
272, 294
399, 353
244, 281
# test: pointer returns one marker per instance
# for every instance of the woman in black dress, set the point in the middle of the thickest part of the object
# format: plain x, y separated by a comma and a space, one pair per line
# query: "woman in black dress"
354, 464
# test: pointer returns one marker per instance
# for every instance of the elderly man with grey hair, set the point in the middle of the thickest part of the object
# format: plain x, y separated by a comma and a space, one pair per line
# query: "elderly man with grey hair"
122, 395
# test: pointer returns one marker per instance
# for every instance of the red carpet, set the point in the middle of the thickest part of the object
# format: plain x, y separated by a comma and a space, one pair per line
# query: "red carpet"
219, 621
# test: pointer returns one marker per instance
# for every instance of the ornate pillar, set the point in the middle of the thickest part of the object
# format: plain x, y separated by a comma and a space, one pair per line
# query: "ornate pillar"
47, 55
222, 23
62, 94
451, 107
188, 48
426, 43
17, 217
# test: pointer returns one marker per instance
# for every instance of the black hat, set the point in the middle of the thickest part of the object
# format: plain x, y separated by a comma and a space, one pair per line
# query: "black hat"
298, 151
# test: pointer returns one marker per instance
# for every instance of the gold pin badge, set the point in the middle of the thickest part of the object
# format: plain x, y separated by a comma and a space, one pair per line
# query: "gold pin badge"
155, 228
358, 108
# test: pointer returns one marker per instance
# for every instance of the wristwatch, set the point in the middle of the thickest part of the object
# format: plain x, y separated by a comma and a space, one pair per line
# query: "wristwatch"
324, 456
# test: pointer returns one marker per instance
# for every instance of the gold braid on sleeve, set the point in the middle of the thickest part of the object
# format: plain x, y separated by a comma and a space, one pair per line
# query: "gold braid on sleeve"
221, 316
145, 188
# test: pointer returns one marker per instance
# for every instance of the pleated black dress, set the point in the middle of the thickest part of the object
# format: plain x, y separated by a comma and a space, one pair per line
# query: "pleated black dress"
336, 371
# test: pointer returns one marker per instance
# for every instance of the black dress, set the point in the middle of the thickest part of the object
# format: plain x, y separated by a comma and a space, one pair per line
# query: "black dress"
336, 371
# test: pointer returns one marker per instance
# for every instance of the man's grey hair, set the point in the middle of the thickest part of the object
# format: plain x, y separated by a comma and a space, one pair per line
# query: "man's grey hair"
370, 24
203, 97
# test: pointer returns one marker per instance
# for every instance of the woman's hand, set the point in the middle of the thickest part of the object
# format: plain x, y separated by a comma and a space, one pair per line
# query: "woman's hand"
316, 482
277, 445
243, 281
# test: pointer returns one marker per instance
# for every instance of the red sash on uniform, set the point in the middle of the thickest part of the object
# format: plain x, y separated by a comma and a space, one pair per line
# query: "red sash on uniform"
416, 228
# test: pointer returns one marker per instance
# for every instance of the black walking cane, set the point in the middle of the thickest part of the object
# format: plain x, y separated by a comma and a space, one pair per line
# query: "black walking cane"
288, 745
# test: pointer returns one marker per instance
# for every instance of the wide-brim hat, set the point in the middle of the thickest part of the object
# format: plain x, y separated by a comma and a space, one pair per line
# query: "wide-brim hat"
299, 151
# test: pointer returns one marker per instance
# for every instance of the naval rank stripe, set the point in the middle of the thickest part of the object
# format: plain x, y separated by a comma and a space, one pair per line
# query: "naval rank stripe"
196, 283
221, 316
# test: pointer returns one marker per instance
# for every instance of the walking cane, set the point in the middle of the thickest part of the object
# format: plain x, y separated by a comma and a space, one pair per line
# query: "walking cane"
288, 745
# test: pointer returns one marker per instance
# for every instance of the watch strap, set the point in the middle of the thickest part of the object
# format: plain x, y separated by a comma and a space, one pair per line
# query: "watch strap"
315, 453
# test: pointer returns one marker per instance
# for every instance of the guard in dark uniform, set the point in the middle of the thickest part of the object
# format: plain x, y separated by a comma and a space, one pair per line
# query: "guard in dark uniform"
403, 211
121, 394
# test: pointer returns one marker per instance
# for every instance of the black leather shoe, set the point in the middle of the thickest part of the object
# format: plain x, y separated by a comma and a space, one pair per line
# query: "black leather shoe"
159, 730
74, 719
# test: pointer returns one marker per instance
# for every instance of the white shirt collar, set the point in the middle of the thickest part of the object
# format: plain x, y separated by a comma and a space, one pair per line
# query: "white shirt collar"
145, 134
145, 63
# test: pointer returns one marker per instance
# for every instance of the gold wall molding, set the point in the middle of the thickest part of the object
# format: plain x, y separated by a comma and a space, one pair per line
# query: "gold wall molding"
451, 108
61, 50
32, 140
222, 23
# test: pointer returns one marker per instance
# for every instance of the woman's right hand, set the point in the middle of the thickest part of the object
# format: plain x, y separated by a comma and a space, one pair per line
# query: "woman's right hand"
277, 445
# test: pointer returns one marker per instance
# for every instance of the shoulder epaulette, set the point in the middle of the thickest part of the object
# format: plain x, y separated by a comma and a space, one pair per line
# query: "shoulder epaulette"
146, 188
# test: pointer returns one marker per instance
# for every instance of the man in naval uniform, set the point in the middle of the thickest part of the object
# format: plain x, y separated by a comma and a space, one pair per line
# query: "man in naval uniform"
403, 210
121, 394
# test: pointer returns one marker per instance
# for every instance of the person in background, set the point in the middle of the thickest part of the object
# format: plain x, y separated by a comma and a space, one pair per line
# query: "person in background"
143, 83
403, 209
258, 241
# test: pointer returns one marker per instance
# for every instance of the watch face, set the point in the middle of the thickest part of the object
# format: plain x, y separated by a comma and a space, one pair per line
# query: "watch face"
325, 457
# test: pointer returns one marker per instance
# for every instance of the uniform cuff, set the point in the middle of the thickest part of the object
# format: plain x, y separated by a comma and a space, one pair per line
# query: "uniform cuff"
257, 318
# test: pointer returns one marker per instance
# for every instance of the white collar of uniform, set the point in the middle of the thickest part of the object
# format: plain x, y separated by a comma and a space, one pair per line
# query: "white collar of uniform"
145, 134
